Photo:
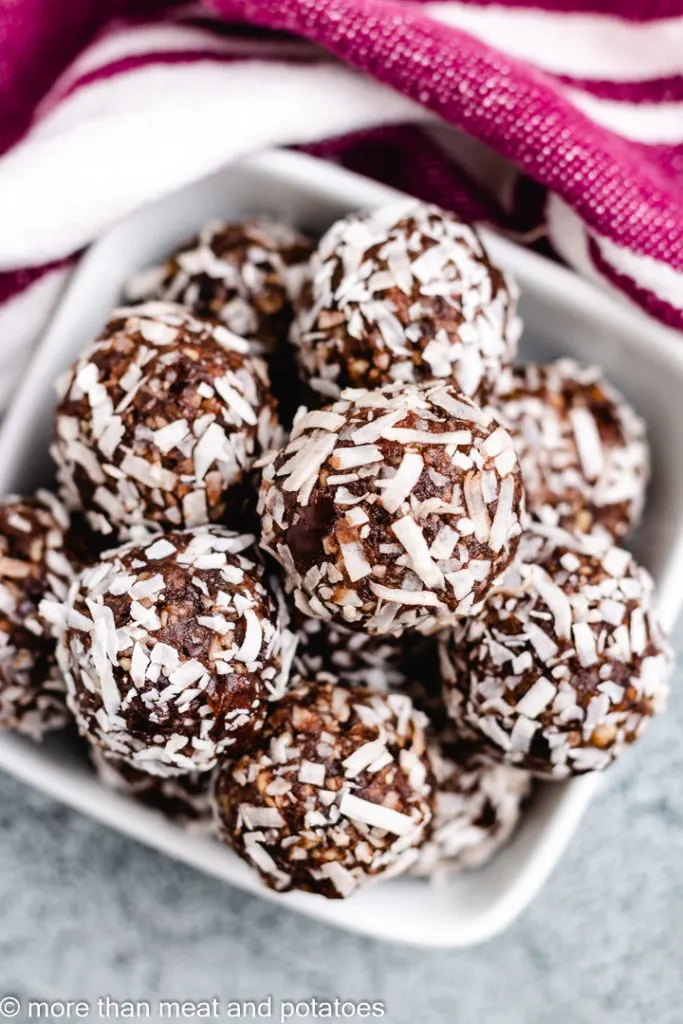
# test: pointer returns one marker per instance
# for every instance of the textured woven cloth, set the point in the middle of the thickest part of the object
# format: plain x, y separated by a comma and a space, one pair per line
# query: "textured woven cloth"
562, 122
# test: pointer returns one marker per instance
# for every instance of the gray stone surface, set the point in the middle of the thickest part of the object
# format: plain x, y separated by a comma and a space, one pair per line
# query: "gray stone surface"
85, 912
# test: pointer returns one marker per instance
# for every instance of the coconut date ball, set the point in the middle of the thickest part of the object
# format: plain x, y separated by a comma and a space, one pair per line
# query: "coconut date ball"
408, 663
581, 447
354, 658
246, 275
478, 806
394, 509
567, 664
35, 565
172, 649
404, 293
185, 799
478, 801
160, 422
337, 791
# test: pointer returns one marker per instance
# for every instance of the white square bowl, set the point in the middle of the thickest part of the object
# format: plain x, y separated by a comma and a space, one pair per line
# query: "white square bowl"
563, 316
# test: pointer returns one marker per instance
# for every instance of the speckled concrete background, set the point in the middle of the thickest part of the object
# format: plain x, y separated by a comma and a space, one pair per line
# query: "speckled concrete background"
85, 913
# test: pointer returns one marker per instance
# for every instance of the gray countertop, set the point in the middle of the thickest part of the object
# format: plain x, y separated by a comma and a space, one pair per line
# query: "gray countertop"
85, 913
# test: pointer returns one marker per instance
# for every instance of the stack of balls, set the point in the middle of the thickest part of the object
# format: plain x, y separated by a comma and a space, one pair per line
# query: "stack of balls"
344, 642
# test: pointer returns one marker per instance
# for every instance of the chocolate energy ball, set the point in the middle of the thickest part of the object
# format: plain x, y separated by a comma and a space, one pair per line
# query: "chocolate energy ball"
337, 791
407, 664
478, 800
185, 800
160, 421
478, 807
567, 663
34, 565
172, 649
246, 275
356, 659
393, 509
404, 293
581, 447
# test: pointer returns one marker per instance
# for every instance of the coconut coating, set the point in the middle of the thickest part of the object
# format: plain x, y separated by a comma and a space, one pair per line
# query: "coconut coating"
337, 791
246, 275
393, 509
478, 807
404, 293
171, 650
581, 447
567, 664
35, 565
354, 658
185, 800
478, 800
407, 664
160, 422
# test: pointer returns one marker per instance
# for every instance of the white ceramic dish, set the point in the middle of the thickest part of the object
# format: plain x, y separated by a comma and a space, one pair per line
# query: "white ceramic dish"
563, 315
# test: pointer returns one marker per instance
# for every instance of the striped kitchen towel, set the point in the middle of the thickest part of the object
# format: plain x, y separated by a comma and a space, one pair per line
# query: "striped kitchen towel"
560, 121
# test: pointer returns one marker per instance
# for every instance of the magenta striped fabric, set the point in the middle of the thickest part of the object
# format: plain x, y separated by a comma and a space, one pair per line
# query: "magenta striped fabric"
559, 121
